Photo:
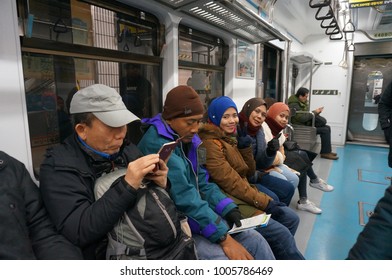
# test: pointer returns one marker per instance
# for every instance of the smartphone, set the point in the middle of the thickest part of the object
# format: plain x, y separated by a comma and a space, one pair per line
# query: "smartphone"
165, 151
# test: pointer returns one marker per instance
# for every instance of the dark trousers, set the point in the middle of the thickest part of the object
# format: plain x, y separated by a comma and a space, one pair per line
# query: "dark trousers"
280, 235
302, 185
325, 135
283, 189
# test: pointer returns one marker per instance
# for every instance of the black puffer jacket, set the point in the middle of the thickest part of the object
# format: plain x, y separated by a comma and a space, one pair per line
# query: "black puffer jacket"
67, 178
26, 231
374, 242
385, 116
385, 108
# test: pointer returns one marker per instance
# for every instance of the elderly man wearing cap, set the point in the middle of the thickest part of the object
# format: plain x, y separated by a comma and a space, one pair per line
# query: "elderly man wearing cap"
69, 171
201, 200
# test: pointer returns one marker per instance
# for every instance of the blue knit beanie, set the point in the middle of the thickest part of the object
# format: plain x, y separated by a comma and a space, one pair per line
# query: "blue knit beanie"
218, 107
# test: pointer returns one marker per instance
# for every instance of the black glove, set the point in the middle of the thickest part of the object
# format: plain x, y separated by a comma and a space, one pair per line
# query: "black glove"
275, 208
233, 217
243, 139
244, 142
272, 147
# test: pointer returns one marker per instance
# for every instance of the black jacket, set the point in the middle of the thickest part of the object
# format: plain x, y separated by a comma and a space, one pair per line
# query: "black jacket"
26, 231
385, 117
385, 107
375, 241
67, 178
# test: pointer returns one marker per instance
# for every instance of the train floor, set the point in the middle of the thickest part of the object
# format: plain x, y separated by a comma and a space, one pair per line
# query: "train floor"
360, 177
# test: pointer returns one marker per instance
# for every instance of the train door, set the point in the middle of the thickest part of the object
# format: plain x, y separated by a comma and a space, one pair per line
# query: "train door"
272, 72
371, 75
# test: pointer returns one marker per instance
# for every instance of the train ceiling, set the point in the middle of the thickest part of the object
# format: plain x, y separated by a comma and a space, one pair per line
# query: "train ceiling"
292, 17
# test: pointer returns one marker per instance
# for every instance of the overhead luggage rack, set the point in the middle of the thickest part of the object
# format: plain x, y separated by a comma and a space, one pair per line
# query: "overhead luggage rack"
303, 61
301, 58
231, 16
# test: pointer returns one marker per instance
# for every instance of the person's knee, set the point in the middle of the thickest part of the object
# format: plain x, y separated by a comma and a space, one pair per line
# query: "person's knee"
289, 188
256, 245
292, 219
322, 130
277, 231
295, 181
207, 250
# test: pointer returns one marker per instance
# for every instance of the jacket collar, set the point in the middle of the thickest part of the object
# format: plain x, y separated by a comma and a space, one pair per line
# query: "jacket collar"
164, 130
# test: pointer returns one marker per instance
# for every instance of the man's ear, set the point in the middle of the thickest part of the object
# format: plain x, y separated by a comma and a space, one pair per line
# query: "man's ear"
80, 129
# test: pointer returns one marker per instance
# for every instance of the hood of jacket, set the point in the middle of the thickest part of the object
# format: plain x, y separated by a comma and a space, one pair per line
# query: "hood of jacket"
210, 131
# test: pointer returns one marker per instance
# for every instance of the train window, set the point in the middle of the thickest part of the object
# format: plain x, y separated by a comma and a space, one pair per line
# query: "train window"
68, 45
201, 48
51, 81
201, 60
79, 23
208, 84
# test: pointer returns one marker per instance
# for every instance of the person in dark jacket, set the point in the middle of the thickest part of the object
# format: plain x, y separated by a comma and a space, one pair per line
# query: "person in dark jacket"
69, 171
27, 232
385, 117
374, 242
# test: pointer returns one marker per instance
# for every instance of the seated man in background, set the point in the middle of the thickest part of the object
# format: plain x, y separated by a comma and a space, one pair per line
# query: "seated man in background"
200, 200
300, 102
26, 230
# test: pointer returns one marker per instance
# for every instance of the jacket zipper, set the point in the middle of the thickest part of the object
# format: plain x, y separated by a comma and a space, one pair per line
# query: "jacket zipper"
163, 208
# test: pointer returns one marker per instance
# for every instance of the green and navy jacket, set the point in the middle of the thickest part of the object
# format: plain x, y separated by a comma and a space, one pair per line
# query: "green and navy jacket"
200, 200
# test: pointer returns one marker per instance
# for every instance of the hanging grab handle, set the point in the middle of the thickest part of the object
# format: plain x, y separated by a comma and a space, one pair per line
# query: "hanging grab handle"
321, 16
319, 3
325, 24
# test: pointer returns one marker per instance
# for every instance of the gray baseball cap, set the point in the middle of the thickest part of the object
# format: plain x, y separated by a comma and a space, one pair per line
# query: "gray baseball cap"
105, 103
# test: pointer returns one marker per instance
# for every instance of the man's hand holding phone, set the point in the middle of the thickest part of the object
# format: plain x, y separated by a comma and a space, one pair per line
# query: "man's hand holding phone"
160, 175
319, 110
165, 152
142, 167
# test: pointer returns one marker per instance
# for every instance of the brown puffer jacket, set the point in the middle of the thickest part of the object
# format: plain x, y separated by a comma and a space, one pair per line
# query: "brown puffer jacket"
229, 168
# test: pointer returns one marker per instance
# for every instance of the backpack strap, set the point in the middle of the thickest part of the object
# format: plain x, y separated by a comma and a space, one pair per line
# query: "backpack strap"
103, 183
118, 250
